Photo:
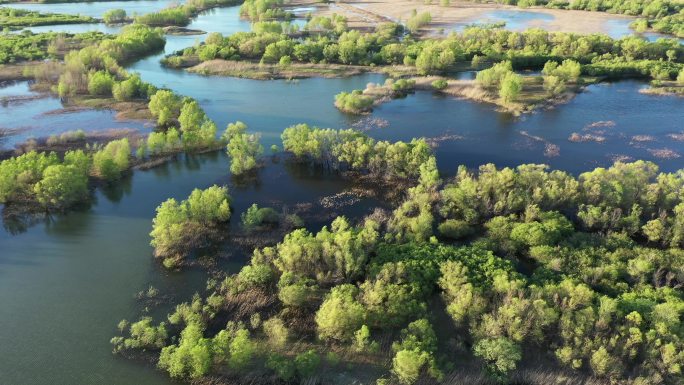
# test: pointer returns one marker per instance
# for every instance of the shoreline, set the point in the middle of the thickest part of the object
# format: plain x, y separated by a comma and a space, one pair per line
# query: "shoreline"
258, 71
363, 13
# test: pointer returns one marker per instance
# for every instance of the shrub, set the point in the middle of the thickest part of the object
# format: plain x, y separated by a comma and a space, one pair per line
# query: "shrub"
354, 102
455, 229
114, 16
440, 84
256, 217
100, 83
111, 161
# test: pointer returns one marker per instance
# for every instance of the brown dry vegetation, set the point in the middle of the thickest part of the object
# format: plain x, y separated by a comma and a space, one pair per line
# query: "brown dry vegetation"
665, 88
130, 110
259, 71
365, 14
43, 144
532, 97
9, 72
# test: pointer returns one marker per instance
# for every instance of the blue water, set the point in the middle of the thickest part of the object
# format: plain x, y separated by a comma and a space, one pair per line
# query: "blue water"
97, 9
66, 281
515, 20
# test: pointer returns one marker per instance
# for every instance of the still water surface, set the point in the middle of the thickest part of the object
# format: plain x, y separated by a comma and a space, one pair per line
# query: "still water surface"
66, 282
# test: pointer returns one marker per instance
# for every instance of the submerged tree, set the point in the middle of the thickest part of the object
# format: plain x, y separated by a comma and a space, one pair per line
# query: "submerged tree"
180, 227
243, 149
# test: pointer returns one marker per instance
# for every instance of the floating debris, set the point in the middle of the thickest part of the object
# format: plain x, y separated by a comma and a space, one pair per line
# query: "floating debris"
435, 141
620, 158
677, 136
341, 199
369, 123
601, 123
643, 138
581, 138
550, 150
663, 153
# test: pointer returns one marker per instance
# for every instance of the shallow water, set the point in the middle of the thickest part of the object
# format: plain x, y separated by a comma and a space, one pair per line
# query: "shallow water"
515, 20
619, 28
97, 9
520, 20
65, 283
45, 116
480, 135
75, 28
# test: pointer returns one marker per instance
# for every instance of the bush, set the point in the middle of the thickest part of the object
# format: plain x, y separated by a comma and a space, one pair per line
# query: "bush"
510, 88
61, 186
283, 366
165, 106
114, 16
340, 315
307, 363
180, 227
440, 84
131, 88
100, 83
494, 75
354, 102
455, 229
500, 354
256, 217
276, 332
244, 150
111, 161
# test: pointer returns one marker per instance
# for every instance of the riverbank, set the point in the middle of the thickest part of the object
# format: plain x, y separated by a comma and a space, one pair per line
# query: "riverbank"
260, 71
364, 14
669, 88
532, 97
15, 72
128, 110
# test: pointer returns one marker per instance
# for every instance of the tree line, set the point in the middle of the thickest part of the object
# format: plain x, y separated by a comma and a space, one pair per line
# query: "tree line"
598, 54
11, 18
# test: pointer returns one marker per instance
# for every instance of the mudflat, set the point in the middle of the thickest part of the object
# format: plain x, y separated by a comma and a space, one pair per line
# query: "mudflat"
364, 14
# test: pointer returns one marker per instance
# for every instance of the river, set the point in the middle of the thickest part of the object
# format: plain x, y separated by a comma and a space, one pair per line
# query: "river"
65, 282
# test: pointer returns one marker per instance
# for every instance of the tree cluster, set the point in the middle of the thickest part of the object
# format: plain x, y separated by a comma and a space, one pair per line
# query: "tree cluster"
56, 184
532, 49
181, 227
351, 149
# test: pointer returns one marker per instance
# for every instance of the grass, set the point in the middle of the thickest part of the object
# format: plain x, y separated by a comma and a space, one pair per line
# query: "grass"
255, 70
664, 88
11, 18
132, 110
532, 97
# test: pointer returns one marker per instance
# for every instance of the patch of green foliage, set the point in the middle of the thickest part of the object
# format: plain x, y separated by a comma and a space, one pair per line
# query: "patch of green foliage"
12, 18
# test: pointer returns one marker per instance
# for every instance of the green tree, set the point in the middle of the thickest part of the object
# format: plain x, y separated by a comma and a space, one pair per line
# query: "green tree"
180, 227
307, 363
243, 149
510, 88
500, 354
62, 186
111, 161
114, 16
340, 315
165, 106
100, 83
